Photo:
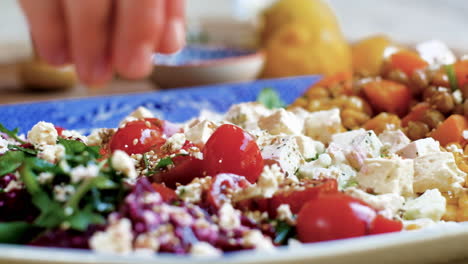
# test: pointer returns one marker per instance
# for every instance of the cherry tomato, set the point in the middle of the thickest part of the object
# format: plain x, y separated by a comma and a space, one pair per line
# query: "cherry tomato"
59, 130
222, 185
382, 225
167, 194
334, 216
186, 168
231, 150
139, 136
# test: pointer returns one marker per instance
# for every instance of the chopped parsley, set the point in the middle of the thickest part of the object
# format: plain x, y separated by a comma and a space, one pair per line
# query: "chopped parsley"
270, 99
450, 69
283, 231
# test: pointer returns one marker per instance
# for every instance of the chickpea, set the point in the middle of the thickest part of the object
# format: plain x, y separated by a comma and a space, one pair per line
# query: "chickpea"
419, 81
301, 102
428, 92
398, 76
440, 78
432, 118
464, 90
382, 122
319, 104
443, 101
417, 130
318, 92
353, 119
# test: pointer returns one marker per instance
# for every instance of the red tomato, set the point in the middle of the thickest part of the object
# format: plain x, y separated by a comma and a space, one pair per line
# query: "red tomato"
231, 150
382, 225
167, 194
59, 130
186, 168
139, 136
222, 185
333, 217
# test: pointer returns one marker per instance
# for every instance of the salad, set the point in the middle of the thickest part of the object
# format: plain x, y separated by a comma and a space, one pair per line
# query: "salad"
342, 161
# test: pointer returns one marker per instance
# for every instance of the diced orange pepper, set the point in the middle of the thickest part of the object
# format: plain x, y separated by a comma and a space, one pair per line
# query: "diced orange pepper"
337, 78
416, 113
461, 71
451, 130
407, 62
388, 96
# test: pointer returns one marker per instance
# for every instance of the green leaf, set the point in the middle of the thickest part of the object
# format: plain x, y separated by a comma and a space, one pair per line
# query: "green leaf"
16, 232
72, 146
164, 162
450, 69
29, 178
10, 161
102, 182
25, 150
270, 99
12, 134
82, 219
283, 232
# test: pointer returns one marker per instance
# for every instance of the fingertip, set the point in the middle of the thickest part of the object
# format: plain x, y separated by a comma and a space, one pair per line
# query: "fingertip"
137, 63
174, 36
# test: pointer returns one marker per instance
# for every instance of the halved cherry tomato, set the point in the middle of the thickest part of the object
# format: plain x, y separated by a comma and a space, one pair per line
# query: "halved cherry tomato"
382, 225
295, 199
333, 217
167, 194
232, 150
139, 136
222, 185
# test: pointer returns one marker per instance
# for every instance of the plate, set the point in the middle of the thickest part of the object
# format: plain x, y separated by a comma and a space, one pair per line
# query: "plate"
436, 244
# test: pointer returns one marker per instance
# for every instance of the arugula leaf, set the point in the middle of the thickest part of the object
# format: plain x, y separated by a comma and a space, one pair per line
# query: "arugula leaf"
82, 219
10, 161
270, 99
72, 146
25, 150
12, 133
164, 162
450, 69
283, 232
16, 232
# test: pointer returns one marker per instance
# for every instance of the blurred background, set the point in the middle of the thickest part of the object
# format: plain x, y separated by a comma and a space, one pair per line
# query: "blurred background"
236, 23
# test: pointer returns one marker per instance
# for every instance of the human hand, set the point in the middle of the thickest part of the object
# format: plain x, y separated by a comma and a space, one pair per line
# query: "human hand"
105, 36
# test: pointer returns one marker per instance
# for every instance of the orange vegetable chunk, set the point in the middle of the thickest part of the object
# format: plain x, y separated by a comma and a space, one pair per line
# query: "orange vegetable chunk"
451, 130
388, 96
416, 113
407, 62
461, 71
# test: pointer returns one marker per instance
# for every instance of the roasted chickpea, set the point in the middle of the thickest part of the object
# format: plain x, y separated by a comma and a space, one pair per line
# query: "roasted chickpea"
417, 130
428, 92
465, 108
440, 78
319, 104
301, 102
383, 121
318, 92
432, 118
459, 109
464, 90
353, 119
443, 101
398, 76
419, 81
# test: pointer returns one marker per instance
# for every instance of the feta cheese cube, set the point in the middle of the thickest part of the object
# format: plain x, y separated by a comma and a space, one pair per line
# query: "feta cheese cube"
200, 132
281, 122
430, 205
269, 180
387, 176
419, 148
51, 153
121, 162
174, 143
321, 125
394, 140
284, 151
437, 171
255, 239
308, 147
388, 204
139, 113
43, 133
246, 115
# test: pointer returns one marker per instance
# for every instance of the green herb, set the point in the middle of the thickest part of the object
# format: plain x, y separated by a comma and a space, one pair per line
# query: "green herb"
283, 232
270, 99
350, 183
25, 150
12, 133
164, 162
82, 219
314, 158
16, 232
450, 69
10, 161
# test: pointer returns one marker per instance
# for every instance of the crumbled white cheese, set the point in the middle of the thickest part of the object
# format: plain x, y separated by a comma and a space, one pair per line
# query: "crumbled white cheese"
394, 140
81, 172
321, 125
13, 185
63, 192
192, 192
358, 145
465, 134
429, 205
436, 53
200, 132
285, 151
281, 122
387, 175
43, 133
269, 180
141, 112
3, 145
284, 213
437, 171
73, 134
308, 147
147, 241
51, 153
174, 143
229, 218
204, 249
99, 136
246, 115
117, 238
457, 96
254, 238
45, 177
420, 148
123, 163
388, 204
